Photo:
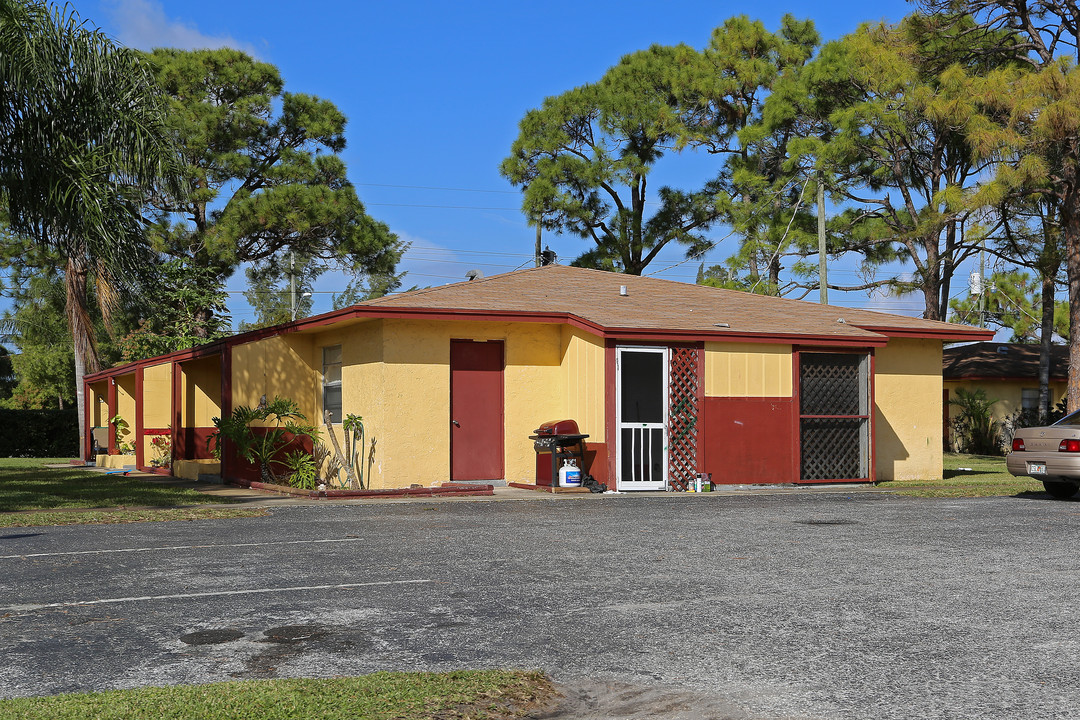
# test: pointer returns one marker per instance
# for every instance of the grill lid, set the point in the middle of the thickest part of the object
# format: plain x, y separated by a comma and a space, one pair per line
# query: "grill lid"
558, 427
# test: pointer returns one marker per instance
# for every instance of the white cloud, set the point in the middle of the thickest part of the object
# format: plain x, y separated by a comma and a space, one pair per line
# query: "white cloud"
143, 24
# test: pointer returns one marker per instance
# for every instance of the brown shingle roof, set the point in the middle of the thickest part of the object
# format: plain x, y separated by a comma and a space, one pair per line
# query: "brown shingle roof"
665, 305
1001, 360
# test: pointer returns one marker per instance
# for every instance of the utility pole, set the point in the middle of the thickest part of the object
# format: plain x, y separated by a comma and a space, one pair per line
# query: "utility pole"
292, 284
982, 283
823, 273
538, 231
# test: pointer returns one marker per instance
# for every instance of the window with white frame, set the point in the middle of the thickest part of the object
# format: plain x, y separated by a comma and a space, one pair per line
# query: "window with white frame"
331, 387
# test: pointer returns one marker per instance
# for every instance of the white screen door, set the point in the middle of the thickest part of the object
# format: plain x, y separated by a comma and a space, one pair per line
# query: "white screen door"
642, 409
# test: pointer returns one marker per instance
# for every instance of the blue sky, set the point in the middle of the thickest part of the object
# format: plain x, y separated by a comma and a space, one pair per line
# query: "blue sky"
434, 92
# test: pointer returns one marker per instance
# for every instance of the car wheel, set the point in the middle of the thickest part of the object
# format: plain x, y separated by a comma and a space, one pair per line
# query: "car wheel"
1060, 490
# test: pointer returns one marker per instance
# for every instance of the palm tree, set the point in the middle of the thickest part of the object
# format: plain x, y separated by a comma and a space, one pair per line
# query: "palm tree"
82, 141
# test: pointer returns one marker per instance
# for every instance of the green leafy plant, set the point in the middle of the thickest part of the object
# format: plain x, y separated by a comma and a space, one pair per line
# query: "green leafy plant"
976, 431
302, 470
123, 430
260, 434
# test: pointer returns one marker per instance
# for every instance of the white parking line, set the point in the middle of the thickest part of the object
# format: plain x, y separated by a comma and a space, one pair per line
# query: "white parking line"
219, 593
179, 547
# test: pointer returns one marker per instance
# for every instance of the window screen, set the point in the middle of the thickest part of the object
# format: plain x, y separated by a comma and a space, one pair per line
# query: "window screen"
331, 372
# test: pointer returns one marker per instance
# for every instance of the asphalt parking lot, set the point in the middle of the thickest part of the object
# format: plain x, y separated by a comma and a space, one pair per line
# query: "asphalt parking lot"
758, 606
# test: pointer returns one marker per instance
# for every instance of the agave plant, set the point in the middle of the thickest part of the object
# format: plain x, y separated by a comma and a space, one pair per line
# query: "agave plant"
279, 423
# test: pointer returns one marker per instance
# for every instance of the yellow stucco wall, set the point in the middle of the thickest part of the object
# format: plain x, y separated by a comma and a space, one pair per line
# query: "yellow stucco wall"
1007, 393
114, 462
157, 396
747, 370
97, 403
200, 391
396, 375
907, 409
281, 366
583, 367
157, 404
192, 469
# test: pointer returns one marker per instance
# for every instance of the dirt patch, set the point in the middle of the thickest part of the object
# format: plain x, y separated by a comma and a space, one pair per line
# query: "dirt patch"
599, 700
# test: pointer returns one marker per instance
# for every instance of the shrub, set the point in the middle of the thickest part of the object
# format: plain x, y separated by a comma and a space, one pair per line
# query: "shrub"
976, 431
1029, 418
39, 433
265, 444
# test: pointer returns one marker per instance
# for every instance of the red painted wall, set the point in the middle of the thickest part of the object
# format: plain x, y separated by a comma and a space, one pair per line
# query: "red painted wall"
242, 472
750, 440
191, 443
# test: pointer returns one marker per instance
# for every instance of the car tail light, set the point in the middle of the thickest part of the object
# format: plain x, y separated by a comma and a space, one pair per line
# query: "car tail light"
1018, 444
1069, 446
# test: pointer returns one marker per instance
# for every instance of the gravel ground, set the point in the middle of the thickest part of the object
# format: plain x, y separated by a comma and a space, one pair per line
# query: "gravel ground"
757, 606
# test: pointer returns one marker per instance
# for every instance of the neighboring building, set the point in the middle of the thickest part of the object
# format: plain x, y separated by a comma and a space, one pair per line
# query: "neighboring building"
1007, 372
668, 379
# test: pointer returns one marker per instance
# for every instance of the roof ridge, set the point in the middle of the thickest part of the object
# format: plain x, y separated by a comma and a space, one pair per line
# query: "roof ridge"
436, 288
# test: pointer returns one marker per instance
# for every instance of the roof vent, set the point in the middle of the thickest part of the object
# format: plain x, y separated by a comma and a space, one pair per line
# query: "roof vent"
474, 275
622, 290
1003, 349
841, 320
722, 325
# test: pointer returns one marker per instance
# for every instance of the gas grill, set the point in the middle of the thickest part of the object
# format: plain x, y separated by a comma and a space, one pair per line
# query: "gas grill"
555, 442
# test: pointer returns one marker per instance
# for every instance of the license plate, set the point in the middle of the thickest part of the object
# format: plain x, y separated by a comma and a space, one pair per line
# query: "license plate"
1037, 468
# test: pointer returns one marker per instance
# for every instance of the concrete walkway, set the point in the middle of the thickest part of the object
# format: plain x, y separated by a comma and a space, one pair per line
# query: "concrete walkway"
251, 498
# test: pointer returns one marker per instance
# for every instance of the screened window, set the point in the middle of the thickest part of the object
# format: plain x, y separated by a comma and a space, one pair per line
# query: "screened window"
331, 372
834, 409
1029, 399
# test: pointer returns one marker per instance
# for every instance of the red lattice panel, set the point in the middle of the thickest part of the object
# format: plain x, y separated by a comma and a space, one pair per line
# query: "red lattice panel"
683, 413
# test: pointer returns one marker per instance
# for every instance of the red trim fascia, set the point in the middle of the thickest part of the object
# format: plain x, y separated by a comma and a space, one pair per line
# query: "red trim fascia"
195, 353
963, 334
139, 408
611, 426
380, 312
111, 394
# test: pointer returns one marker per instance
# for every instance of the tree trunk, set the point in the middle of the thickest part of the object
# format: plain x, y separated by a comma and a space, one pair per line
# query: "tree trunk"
1070, 221
82, 336
1045, 340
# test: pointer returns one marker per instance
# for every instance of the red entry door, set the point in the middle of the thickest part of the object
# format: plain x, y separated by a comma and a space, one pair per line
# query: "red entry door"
476, 410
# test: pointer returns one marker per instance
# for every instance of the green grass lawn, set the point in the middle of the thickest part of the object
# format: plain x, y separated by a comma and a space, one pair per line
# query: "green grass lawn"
461, 695
77, 495
968, 476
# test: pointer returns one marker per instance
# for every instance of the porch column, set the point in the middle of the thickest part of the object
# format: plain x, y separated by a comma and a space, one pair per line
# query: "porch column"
177, 411
139, 407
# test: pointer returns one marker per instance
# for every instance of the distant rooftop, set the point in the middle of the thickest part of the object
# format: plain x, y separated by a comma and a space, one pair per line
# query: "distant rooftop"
1002, 360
